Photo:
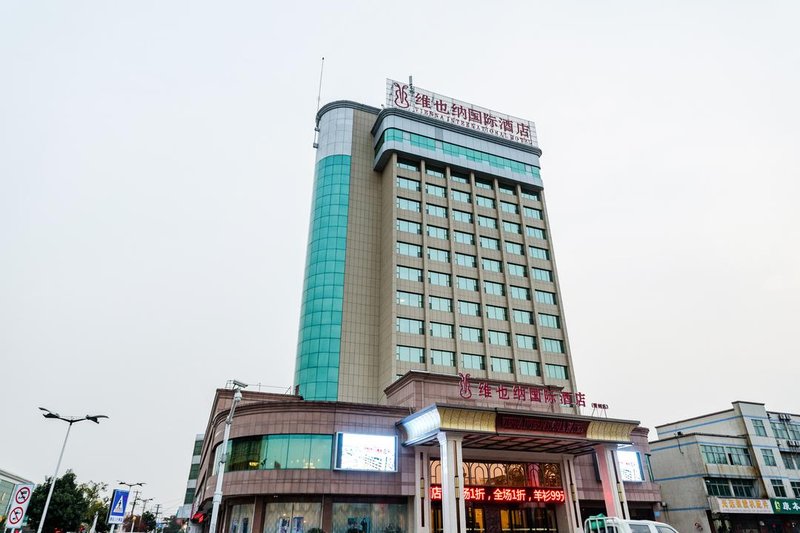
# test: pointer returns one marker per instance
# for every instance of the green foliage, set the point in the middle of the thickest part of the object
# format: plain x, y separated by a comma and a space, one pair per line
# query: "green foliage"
68, 506
174, 524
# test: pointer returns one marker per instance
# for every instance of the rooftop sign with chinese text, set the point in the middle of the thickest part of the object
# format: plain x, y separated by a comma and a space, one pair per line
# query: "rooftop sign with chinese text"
423, 102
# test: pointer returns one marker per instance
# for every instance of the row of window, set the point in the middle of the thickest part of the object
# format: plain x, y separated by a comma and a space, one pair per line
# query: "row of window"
465, 197
414, 354
468, 260
470, 334
480, 183
443, 279
726, 455
437, 303
471, 284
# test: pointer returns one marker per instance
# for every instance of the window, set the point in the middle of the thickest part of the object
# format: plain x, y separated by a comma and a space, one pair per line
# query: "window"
552, 345
501, 364
769, 457
462, 216
487, 222
409, 325
511, 227
790, 460
514, 269
409, 227
439, 278
541, 274
714, 455
496, 313
472, 361
483, 201
467, 284
410, 354
544, 297
794, 431
743, 488
431, 171
778, 488
530, 195
739, 456
459, 178
460, 196
489, 243
466, 260
539, 253
471, 334
526, 342
718, 487
536, 233
483, 184
520, 293
463, 238
549, 321
444, 331
405, 183
513, 248
436, 210
194, 471
490, 287
508, 207
469, 308
410, 274
435, 190
506, 189
410, 205
556, 371
443, 357
407, 165
410, 299
435, 254
779, 430
523, 317
491, 265
796, 488
500, 338
188, 496
437, 232
440, 304
412, 250
533, 213
529, 368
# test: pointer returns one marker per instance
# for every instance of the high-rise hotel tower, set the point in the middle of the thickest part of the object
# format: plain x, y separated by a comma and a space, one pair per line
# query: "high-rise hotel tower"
428, 250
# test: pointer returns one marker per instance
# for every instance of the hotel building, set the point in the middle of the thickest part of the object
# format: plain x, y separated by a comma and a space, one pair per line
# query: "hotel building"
434, 385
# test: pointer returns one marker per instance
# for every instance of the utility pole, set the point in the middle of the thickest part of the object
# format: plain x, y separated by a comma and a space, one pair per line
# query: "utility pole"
158, 512
133, 508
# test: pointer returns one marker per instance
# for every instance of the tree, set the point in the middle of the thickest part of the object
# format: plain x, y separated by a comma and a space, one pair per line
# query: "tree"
68, 506
97, 504
172, 525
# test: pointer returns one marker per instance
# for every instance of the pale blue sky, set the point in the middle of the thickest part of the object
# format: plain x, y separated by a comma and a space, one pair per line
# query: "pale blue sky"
145, 256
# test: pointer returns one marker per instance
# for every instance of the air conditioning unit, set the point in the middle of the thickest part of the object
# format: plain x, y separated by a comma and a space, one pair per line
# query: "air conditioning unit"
784, 416
793, 443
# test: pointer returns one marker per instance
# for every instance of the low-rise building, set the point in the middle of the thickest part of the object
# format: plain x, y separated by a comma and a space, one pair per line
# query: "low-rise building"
729, 471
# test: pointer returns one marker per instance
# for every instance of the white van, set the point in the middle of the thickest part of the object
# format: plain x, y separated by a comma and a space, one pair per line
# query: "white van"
605, 524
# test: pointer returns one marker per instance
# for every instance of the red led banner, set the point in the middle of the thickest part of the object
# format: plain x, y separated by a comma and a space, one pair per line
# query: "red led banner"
503, 494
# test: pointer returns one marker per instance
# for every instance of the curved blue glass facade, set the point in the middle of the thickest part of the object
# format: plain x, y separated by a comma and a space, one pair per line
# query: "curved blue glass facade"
318, 345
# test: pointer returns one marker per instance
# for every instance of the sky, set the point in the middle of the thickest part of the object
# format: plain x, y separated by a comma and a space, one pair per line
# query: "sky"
156, 165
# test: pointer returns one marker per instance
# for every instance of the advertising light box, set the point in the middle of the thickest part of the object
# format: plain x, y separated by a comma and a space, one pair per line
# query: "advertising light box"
630, 466
371, 453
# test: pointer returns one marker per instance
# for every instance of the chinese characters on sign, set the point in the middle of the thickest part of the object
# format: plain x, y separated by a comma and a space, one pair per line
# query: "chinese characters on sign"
743, 505
518, 392
542, 425
785, 506
422, 102
505, 494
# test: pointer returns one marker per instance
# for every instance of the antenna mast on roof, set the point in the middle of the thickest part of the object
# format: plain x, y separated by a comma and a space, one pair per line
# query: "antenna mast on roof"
319, 97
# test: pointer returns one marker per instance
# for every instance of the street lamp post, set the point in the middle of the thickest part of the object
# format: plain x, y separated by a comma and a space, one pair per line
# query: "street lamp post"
69, 420
217, 500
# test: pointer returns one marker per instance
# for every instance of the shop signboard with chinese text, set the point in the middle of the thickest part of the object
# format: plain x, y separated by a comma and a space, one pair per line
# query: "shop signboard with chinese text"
505, 494
740, 505
517, 392
401, 95
785, 505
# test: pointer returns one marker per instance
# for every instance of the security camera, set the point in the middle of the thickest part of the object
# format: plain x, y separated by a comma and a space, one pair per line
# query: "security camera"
238, 384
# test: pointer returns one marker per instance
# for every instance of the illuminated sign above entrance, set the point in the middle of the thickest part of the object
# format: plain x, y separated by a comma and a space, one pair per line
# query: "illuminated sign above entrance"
427, 103
505, 494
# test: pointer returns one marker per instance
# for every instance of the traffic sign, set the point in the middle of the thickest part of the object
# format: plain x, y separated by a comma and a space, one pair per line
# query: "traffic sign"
116, 511
20, 498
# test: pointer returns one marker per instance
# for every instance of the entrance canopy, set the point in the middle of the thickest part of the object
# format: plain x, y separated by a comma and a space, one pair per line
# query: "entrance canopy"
502, 429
